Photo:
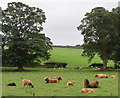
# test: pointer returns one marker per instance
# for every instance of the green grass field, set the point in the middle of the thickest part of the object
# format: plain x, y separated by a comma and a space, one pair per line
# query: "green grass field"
109, 86
73, 57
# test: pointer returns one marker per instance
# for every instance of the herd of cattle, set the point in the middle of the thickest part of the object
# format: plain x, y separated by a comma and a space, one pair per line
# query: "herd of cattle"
87, 85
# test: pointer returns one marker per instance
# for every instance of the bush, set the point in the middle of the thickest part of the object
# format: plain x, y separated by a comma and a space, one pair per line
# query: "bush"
94, 65
56, 64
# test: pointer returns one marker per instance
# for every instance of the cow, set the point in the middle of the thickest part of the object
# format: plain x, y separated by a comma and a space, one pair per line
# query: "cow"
113, 76
87, 90
11, 84
93, 84
59, 78
51, 80
101, 76
27, 83
69, 84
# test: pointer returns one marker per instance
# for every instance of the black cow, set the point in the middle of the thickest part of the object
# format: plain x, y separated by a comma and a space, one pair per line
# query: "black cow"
11, 84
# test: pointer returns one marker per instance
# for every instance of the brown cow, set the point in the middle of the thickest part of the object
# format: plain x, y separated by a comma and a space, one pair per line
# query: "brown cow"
69, 84
101, 76
113, 76
87, 90
59, 78
51, 80
28, 83
93, 84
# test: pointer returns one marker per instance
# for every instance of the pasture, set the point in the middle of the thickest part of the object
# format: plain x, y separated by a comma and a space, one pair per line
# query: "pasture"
73, 57
109, 86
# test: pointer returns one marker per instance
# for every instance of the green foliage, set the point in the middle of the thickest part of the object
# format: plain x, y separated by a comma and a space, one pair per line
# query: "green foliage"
78, 46
109, 86
99, 31
116, 54
21, 27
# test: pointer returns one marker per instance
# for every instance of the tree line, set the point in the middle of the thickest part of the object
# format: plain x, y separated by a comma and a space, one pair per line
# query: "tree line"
68, 46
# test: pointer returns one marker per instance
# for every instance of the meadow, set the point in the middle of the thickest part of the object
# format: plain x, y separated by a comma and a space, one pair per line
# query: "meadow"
109, 86
73, 57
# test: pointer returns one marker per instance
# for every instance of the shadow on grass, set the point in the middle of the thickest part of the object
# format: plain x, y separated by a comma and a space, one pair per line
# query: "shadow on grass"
14, 69
9, 70
39, 69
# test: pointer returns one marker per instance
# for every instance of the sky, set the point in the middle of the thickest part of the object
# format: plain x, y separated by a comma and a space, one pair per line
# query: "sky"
64, 16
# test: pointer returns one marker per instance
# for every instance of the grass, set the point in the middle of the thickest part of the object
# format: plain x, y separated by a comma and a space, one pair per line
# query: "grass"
109, 86
73, 57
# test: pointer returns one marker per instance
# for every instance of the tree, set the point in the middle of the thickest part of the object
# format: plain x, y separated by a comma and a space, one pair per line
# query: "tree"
21, 26
99, 31
0, 38
78, 46
116, 54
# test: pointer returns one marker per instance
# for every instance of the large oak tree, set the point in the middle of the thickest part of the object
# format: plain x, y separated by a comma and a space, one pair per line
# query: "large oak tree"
99, 28
23, 42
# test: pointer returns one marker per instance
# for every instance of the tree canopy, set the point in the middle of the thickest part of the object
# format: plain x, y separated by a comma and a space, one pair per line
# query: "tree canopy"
116, 54
22, 26
99, 31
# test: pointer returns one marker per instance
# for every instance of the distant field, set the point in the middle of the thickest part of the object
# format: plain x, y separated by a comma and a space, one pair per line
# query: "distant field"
73, 57
109, 86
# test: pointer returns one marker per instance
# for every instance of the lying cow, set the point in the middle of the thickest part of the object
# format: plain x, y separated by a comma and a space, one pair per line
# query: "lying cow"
59, 78
11, 84
69, 84
113, 76
93, 84
27, 83
51, 80
101, 76
87, 90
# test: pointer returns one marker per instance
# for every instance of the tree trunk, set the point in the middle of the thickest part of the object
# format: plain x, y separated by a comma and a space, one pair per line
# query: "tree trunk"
105, 63
20, 68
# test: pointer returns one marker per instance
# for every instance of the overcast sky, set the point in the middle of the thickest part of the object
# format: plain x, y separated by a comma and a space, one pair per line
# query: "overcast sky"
63, 17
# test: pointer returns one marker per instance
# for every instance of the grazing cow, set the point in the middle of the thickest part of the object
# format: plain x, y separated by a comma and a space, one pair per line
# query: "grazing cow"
11, 84
101, 76
51, 80
87, 90
113, 76
69, 84
28, 83
93, 84
59, 78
